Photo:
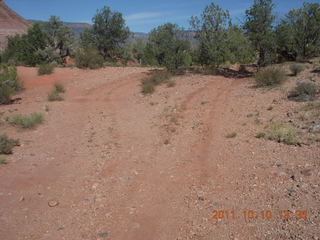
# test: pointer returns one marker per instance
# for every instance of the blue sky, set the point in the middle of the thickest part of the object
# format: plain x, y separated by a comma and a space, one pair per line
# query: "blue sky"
141, 15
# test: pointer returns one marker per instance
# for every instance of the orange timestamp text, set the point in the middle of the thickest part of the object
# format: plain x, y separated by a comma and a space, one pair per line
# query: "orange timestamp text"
259, 214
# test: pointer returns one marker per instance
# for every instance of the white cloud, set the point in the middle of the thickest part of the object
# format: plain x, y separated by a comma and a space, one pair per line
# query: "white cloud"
143, 15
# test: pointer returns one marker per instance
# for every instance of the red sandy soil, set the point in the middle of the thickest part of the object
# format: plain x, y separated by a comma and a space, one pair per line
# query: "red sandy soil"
119, 165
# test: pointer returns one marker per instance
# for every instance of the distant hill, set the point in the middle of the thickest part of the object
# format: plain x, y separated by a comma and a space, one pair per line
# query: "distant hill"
11, 24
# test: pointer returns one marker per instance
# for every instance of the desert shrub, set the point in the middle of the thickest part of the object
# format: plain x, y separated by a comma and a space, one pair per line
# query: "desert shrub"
26, 122
7, 144
231, 135
296, 69
158, 77
171, 84
45, 68
282, 133
270, 77
9, 83
88, 58
3, 161
58, 87
260, 135
242, 69
304, 91
54, 96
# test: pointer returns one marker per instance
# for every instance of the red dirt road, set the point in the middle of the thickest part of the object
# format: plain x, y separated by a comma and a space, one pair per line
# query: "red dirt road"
122, 166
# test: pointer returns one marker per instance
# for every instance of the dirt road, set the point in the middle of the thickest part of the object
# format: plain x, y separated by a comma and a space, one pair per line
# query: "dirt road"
110, 163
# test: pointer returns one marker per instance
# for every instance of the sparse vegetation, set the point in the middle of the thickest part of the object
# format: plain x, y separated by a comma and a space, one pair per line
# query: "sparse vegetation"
88, 58
26, 122
45, 69
231, 135
171, 84
270, 108
270, 77
260, 135
282, 133
7, 144
296, 69
55, 94
9, 83
3, 161
58, 87
304, 91
158, 77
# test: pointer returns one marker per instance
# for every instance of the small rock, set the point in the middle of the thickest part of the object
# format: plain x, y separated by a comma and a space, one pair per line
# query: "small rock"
166, 142
21, 199
53, 203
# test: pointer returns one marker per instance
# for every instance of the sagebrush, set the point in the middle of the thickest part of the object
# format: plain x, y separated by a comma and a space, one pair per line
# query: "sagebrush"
7, 144
270, 77
45, 68
25, 121
9, 83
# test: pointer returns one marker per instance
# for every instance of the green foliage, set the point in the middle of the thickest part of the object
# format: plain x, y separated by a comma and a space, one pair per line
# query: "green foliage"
55, 94
46, 42
260, 135
212, 33
45, 68
285, 42
107, 34
59, 88
296, 69
240, 47
24, 49
282, 133
158, 77
231, 135
26, 122
88, 58
167, 47
304, 91
60, 38
3, 161
299, 31
7, 144
258, 26
270, 77
9, 83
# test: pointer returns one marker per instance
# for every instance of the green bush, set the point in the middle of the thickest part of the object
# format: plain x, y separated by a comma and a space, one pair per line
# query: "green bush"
59, 88
26, 122
282, 133
45, 68
270, 77
3, 161
231, 135
7, 144
9, 83
158, 77
304, 91
296, 69
88, 58
54, 95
